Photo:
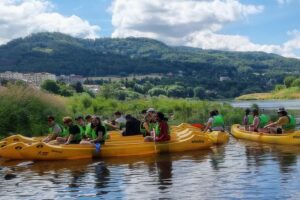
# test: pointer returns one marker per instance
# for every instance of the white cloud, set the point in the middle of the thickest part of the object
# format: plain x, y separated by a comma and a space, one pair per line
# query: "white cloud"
195, 23
20, 18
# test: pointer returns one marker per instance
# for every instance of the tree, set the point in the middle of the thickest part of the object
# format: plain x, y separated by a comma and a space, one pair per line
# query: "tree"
296, 83
51, 86
199, 92
176, 91
78, 87
288, 81
157, 91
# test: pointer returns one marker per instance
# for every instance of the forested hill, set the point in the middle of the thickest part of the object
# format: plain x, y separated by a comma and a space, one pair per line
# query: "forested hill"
62, 54
213, 74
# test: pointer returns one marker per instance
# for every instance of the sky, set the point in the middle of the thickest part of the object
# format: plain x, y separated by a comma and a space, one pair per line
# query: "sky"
272, 26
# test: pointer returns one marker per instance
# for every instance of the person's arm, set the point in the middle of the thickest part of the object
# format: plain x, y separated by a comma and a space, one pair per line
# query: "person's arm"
100, 135
272, 124
70, 138
208, 125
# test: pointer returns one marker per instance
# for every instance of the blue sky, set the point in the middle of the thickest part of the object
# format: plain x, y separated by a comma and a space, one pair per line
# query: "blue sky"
237, 25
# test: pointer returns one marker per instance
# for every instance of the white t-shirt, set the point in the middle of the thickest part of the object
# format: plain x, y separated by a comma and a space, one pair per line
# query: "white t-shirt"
121, 120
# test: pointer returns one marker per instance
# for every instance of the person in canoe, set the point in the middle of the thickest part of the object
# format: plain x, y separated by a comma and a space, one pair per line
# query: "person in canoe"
98, 132
54, 129
161, 133
248, 118
284, 123
118, 123
132, 126
88, 127
256, 121
146, 125
215, 122
81, 124
71, 133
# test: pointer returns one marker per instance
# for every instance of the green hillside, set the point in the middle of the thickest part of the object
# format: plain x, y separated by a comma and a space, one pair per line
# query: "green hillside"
62, 54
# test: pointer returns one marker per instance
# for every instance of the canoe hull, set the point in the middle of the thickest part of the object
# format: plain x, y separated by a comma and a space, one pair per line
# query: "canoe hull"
292, 138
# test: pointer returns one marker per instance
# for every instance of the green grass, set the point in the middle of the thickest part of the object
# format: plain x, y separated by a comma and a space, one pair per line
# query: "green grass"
286, 93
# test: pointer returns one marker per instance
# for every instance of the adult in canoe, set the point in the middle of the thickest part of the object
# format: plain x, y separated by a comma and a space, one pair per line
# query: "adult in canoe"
132, 126
284, 123
81, 124
54, 129
146, 125
161, 133
255, 122
98, 132
118, 123
215, 122
71, 134
248, 118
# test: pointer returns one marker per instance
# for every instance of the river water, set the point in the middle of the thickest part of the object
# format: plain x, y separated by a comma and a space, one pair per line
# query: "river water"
237, 170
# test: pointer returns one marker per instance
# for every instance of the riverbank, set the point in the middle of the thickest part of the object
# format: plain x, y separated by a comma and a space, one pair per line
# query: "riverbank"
286, 93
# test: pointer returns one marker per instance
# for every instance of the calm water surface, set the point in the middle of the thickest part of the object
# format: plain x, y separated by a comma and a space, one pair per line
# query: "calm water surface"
269, 104
238, 170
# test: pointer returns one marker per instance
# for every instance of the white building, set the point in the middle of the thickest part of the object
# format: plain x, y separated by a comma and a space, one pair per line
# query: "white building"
31, 78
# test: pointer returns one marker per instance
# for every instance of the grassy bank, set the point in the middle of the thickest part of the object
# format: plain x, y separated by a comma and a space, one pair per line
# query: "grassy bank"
286, 93
24, 109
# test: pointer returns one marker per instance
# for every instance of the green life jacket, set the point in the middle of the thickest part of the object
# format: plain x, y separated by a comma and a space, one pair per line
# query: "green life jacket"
291, 125
82, 130
88, 130
218, 121
250, 119
156, 129
65, 132
94, 135
263, 120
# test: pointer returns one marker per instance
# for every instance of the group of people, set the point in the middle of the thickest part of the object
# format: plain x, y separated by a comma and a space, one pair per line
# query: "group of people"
262, 123
88, 130
91, 130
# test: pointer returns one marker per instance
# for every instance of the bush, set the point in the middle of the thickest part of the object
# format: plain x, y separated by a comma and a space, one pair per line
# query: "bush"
25, 110
288, 81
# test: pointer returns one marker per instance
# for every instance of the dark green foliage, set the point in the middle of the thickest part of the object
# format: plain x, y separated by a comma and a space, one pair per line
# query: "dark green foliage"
78, 87
199, 92
289, 80
51, 86
156, 91
296, 82
176, 91
58, 88
189, 67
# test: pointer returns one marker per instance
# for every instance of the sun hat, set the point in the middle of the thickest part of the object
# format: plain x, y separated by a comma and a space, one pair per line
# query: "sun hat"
151, 110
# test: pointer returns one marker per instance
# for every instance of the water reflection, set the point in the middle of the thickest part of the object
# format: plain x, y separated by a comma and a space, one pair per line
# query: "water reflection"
238, 170
217, 157
164, 170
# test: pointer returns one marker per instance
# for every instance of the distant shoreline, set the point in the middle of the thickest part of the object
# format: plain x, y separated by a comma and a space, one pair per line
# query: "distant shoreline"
283, 94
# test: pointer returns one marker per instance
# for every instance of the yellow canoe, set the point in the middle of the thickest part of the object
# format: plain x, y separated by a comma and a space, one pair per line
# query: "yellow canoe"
292, 138
43, 151
113, 136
